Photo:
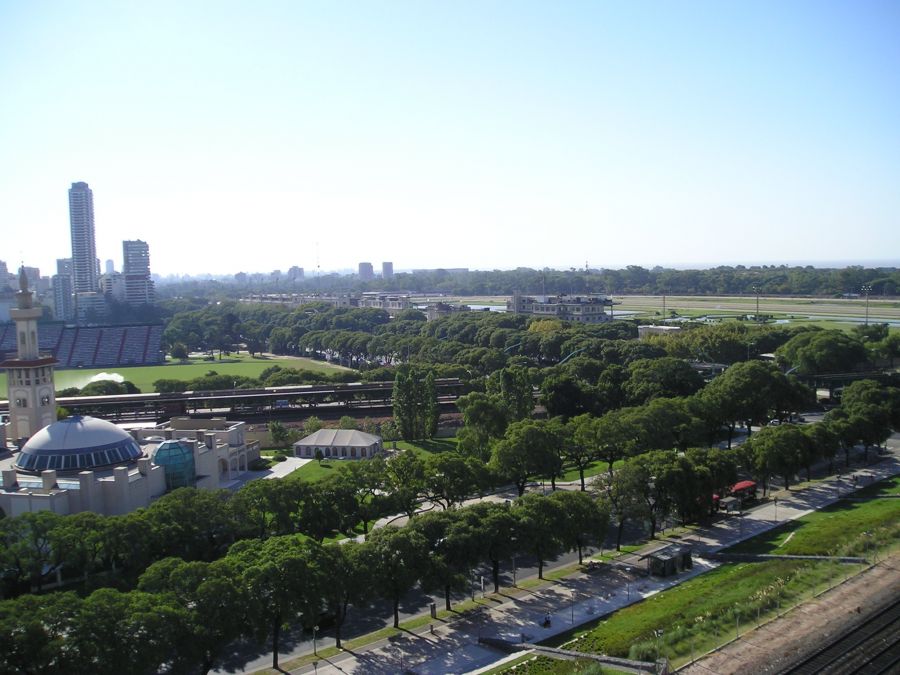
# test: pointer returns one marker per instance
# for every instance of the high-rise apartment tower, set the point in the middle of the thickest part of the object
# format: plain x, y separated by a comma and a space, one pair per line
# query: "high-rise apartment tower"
85, 275
136, 270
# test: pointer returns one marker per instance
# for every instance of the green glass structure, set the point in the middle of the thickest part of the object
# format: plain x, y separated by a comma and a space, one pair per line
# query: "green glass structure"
178, 461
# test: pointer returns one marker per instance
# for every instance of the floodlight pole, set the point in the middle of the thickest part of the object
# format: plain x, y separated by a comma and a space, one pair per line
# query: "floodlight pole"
867, 289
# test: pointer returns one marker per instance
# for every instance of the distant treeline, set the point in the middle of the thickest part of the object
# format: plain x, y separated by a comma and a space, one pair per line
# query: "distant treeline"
770, 279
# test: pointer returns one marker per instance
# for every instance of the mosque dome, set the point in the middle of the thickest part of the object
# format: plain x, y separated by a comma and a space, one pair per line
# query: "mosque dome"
77, 444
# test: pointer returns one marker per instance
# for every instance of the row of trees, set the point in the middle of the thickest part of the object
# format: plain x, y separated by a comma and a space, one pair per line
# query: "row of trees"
200, 524
722, 280
184, 615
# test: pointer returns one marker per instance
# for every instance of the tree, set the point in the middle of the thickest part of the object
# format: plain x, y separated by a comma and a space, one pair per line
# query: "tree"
822, 351
524, 452
540, 522
34, 630
397, 559
862, 393
116, 618
846, 428
563, 395
495, 528
431, 410
405, 480
32, 551
415, 404
824, 441
778, 450
484, 419
450, 478
514, 388
585, 519
179, 351
82, 536
584, 447
451, 551
312, 425
617, 436
281, 581
665, 377
282, 437
366, 480
347, 422
192, 524
625, 491
349, 581
720, 472
745, 391
211, 600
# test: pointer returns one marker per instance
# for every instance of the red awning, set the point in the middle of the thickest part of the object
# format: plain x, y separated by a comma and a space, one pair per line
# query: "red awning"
743, 485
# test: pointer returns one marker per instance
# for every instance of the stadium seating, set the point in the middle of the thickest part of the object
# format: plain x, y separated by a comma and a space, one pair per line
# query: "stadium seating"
93, 346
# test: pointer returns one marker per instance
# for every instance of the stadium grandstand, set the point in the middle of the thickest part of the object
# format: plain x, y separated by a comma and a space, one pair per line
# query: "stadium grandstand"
93, 346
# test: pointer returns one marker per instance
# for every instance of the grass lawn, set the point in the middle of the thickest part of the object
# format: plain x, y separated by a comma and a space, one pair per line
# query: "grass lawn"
428, 447
703, 611
143, 377
313, 471
837, 529
531, 664
891, 486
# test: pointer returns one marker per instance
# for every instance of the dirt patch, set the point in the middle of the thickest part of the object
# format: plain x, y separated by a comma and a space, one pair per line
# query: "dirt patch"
783, 641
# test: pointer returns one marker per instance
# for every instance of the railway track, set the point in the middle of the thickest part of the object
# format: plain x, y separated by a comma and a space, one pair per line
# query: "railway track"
872, 647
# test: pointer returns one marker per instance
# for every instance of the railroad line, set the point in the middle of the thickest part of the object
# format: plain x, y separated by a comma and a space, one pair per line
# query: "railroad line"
872, 647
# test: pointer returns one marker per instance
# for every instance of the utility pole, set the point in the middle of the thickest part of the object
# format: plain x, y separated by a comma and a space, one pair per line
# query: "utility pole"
867, 289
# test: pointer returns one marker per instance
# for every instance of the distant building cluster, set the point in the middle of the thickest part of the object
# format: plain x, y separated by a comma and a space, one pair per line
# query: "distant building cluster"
393, 303
78, 292
589, 308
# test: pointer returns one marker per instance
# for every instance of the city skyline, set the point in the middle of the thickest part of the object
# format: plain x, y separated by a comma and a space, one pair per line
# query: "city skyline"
488, 136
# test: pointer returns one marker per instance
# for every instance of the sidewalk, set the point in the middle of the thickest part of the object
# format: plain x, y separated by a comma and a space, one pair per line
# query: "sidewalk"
582, 597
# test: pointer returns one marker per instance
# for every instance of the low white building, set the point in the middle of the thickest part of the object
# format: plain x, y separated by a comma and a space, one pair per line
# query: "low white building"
339, 444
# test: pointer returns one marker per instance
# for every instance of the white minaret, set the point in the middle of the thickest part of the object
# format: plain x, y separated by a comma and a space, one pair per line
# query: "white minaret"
32, 400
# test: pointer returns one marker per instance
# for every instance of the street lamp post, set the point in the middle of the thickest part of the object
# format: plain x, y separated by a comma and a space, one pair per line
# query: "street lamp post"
867, 289
628, 584
756, 290
315, 633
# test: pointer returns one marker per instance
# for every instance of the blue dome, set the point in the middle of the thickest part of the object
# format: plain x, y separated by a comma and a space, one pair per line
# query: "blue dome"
77, 444
178, 461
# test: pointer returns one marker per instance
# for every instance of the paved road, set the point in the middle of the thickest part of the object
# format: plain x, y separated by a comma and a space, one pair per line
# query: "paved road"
454, 648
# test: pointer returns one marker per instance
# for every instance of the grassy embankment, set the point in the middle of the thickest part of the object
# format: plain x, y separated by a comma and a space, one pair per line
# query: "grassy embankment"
707, 610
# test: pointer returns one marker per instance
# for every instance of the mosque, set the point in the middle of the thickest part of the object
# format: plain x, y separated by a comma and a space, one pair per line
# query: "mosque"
89, 464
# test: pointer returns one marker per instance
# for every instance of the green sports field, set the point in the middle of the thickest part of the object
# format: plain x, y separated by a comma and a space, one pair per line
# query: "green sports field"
143, 377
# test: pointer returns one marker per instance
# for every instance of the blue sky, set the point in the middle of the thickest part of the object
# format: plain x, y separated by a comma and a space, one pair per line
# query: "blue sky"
249, 136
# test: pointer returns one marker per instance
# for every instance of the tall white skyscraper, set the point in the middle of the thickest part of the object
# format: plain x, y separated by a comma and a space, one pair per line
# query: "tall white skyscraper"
85, 275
